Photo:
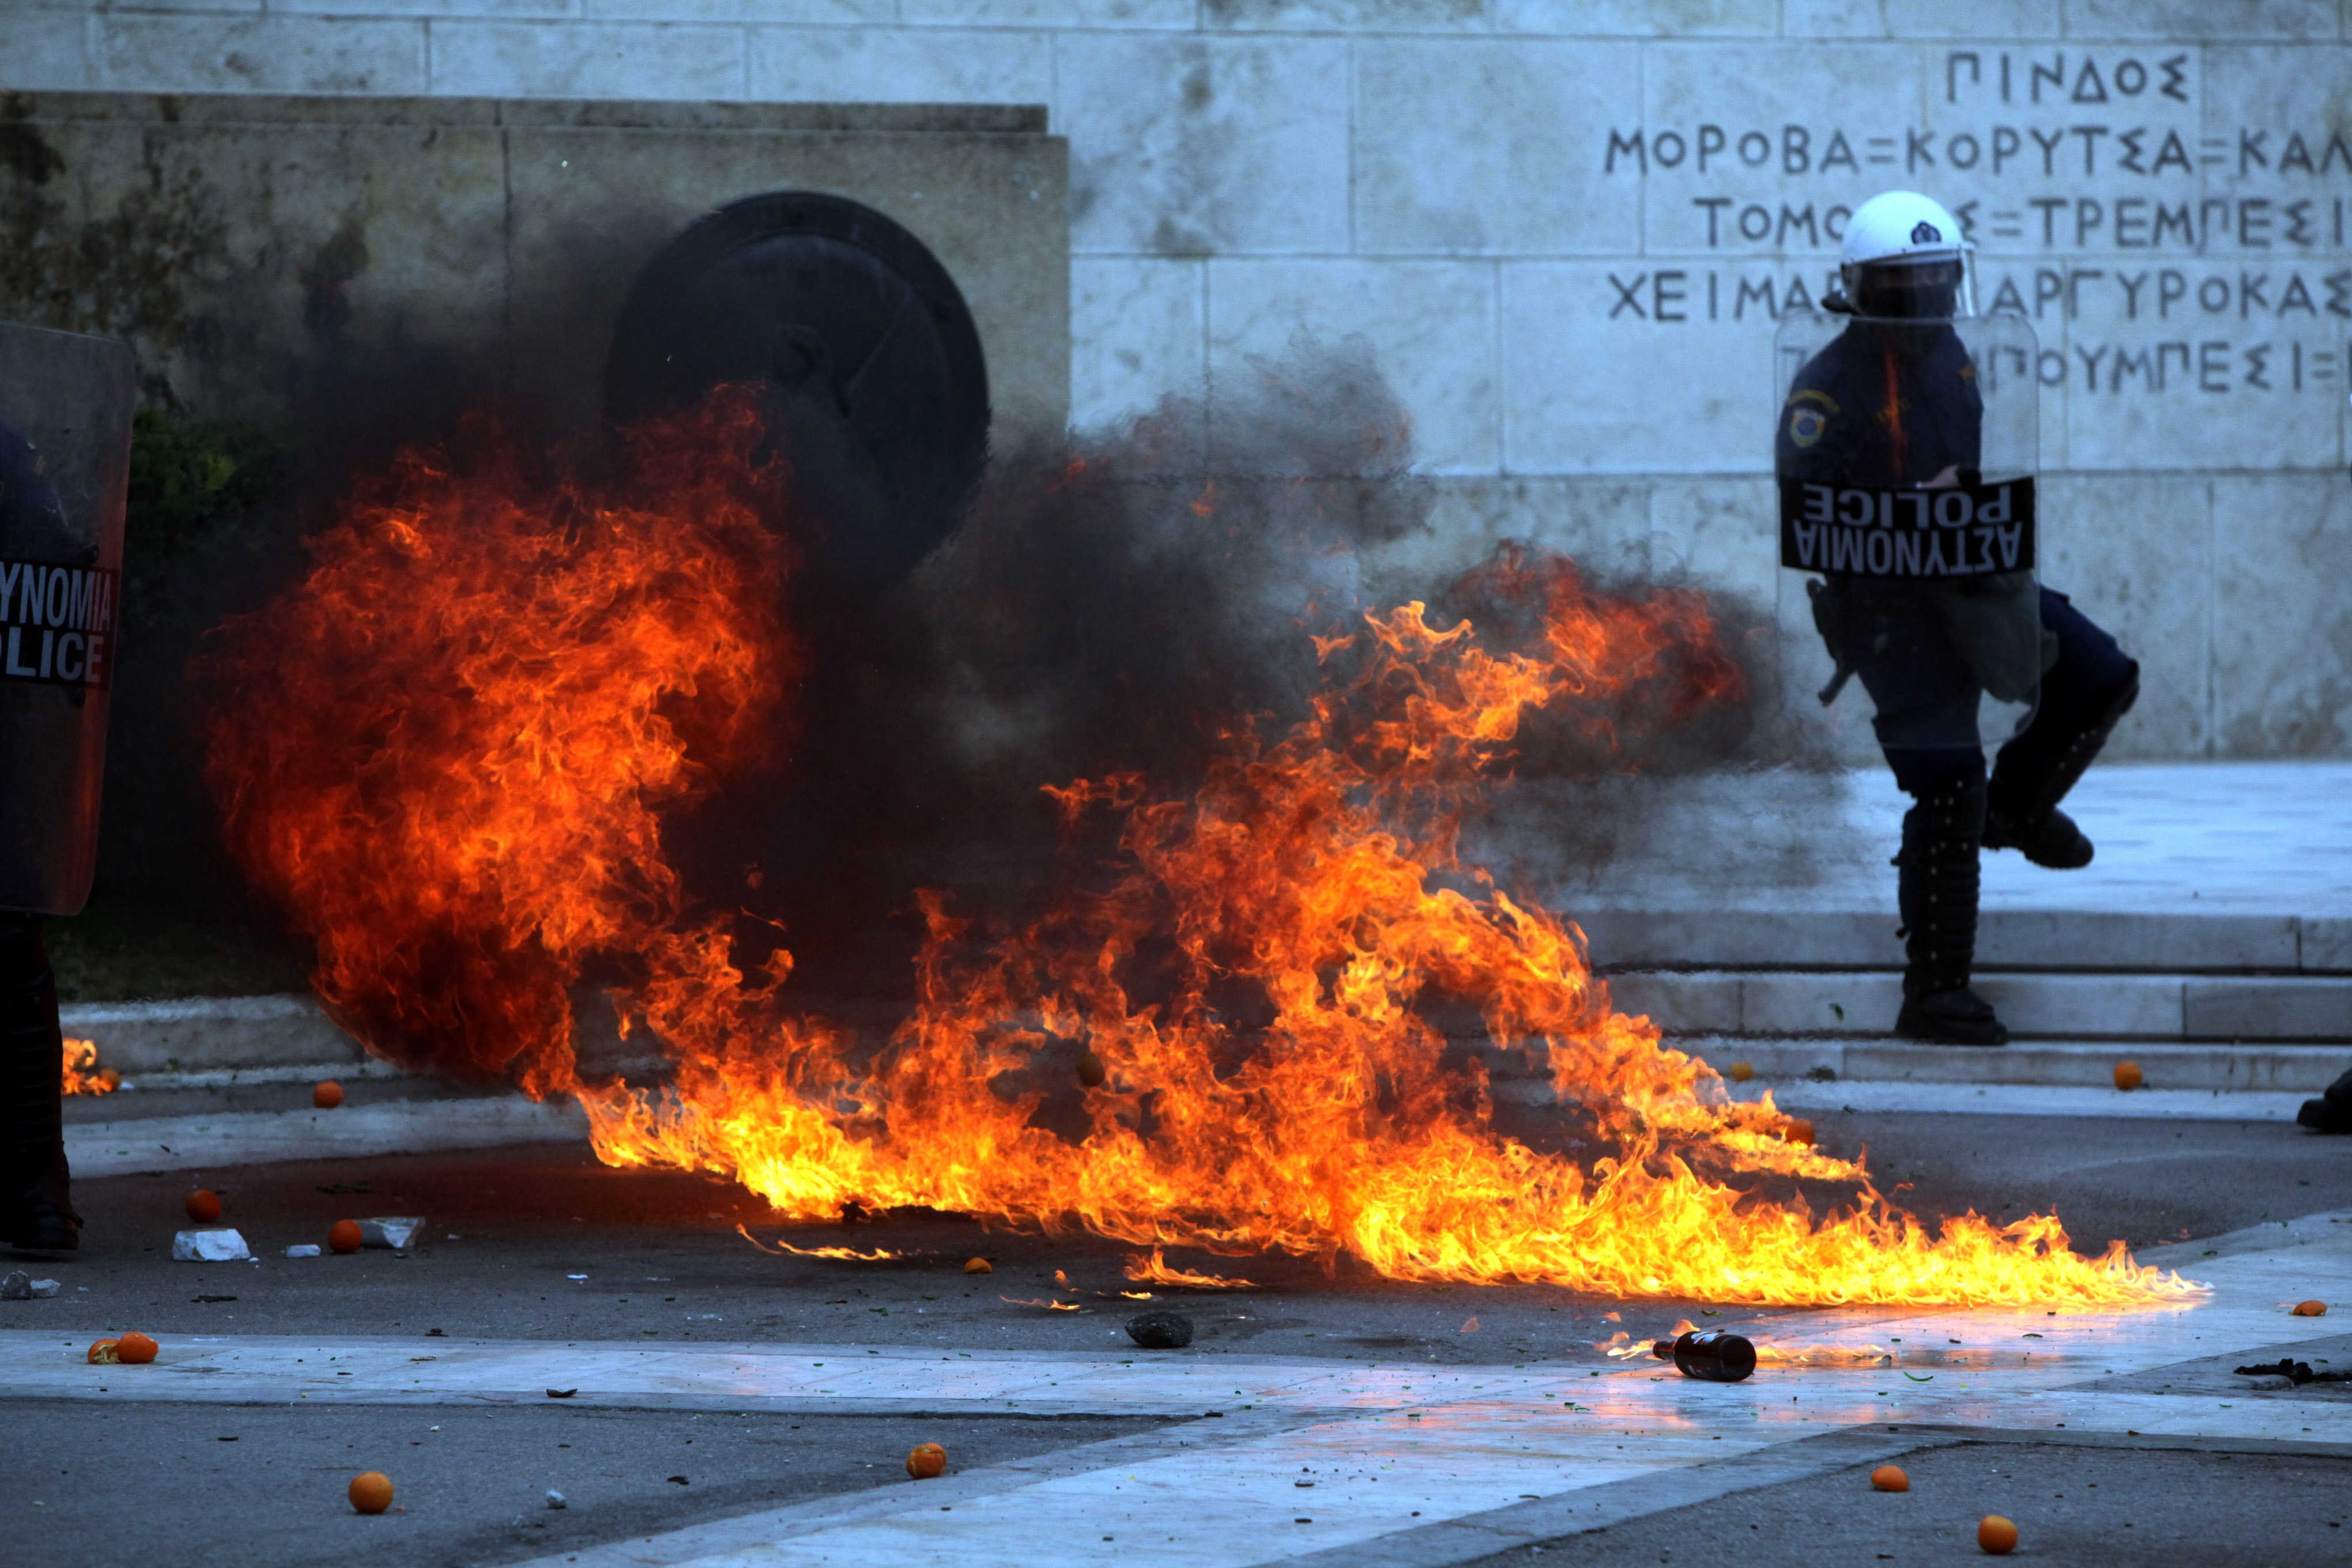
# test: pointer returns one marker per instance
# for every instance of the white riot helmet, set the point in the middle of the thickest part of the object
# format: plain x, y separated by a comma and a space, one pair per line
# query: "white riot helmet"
1903, 258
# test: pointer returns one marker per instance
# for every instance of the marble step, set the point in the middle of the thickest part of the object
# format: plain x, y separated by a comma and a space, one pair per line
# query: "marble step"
2158, 939
2170, 1069
2151, 1007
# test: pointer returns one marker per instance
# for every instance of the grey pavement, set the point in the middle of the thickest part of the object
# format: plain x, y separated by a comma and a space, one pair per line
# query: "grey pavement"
260, 1486
508, 1228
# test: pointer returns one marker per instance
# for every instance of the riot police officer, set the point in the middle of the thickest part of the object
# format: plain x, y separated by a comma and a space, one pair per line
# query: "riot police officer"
35, 1202
1919, 599
65, 446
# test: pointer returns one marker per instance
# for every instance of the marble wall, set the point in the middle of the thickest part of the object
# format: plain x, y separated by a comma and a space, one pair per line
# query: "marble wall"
1569, 226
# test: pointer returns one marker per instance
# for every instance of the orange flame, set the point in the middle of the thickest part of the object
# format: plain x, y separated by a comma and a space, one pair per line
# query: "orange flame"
81, 1071
446, 750
1156, 1270
838, 1254
457, 787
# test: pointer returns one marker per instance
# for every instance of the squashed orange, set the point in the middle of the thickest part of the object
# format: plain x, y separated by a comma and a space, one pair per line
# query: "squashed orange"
106, 1352
926, 1461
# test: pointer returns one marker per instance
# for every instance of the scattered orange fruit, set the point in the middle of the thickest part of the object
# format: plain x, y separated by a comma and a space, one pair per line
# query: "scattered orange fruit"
1890, 1479
103, 1353
1798, 1131
978, 1265
326, 1097
134, 1350
344, 1237
2129, 1076
2313, 1308
926, 1461
204, 1206
1091, 1071
371, 1491
1740, 1072
1996, 1535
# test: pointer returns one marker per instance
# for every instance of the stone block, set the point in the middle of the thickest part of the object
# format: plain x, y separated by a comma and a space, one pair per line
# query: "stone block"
1161, 14
1640, 18
478, 9
2128, 549
1680, 1003
1624, 937
1939, 19
47, 51
1361, 16
2158, 941
2326, 946
2171, 20
2086, 1006
1484, 147
2319, 1008
900, 64
1721, 534
1700, 403
589, 59
259, 53
1431, 325
1852, 1004
1137, 334
1773, 1059
210, 1034
836, 13
1206, 145
2282, 624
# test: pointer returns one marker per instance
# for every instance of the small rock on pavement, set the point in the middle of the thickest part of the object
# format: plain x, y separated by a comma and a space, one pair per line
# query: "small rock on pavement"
394, 1231
217, 1244
307, 1249
555, 1498
22, 1287
1161, 1331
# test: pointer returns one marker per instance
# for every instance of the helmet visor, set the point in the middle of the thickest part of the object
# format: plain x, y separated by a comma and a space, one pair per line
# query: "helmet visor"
1929, 289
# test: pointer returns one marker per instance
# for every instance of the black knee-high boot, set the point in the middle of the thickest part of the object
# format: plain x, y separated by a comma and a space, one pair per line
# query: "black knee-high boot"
1937, 894
2032, 774
36, 1193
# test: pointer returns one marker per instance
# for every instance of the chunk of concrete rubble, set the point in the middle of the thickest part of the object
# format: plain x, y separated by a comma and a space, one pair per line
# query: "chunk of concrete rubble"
307, 1249
20, 1286
393, 1231
555, 1498
213, 1243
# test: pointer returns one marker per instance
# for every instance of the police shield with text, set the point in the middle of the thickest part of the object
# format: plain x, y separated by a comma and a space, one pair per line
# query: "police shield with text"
65, 442
1906, 453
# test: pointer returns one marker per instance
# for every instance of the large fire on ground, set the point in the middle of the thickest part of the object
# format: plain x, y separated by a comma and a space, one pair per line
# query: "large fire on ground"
450, 748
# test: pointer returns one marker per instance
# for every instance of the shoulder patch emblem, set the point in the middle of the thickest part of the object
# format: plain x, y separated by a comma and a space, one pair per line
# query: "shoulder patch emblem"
1809, 415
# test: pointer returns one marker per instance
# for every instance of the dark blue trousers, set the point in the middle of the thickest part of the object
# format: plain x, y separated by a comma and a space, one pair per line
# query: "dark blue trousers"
2090, 672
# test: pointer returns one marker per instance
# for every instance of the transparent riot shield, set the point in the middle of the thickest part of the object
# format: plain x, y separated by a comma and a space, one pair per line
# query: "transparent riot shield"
65, 458
1905, 456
